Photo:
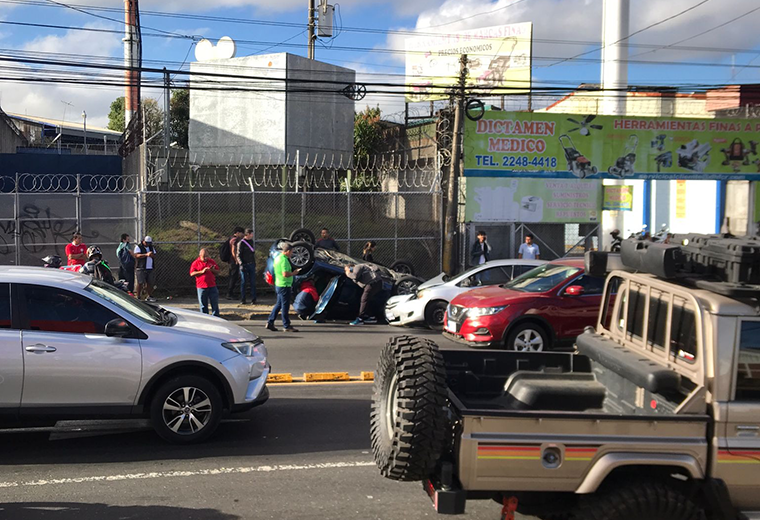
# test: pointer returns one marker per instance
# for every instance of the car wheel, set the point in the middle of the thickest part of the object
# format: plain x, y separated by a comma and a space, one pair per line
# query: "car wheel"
408, 422
434, 314
303, 235
527, 337
403, 267
406, 285
186, 409
302, 256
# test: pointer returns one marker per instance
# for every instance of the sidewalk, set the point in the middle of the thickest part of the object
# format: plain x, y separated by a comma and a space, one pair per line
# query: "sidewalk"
229, 309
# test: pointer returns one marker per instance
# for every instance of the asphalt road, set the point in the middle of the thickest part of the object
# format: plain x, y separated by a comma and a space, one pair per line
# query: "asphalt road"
333, 347
304, 454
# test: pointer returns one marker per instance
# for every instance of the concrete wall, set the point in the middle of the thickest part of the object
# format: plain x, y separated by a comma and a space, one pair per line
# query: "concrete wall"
319, 123
268, 127
9, 140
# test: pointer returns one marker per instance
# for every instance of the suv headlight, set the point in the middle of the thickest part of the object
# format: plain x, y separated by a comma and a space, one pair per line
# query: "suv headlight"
250, 349
476, 312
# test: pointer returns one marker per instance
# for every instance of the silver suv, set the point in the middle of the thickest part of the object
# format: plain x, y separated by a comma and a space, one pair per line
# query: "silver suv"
74, 347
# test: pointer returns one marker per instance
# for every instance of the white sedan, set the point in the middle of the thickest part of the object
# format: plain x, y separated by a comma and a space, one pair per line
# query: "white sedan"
428, 303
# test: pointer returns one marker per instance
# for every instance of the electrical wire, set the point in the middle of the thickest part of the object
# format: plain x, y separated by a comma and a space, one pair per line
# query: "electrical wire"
660, 22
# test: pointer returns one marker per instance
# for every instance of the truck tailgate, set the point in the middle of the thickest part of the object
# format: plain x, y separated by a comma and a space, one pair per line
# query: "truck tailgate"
556, 451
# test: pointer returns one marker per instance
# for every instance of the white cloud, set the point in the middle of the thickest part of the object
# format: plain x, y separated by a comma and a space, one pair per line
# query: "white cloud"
580, 21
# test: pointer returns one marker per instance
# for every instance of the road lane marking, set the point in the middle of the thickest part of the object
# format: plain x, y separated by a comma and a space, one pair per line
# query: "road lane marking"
195, 473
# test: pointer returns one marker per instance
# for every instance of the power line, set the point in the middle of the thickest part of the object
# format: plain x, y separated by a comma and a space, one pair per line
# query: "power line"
672, 45
475, 15
660, 22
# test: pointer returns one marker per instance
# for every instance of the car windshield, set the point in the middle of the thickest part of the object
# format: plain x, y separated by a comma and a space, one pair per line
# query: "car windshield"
126, 303
463, 275
543, 278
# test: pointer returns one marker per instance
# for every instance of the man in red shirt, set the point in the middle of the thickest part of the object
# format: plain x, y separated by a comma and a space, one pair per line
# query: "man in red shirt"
76, 252
204, 270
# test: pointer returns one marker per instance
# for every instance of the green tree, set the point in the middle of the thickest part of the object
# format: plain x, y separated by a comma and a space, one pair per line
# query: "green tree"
116, 115
180, 116
367, 133
154, 116
368, 136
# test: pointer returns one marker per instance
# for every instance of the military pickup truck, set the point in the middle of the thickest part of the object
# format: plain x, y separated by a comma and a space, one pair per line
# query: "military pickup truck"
655, 416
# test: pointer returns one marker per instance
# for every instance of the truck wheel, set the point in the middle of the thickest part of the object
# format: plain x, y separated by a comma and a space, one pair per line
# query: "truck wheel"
652, 500
527, 337
434, 313
408, 423
186, 409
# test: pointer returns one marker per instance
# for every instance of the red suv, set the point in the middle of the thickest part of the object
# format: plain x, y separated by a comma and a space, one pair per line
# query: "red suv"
541, 309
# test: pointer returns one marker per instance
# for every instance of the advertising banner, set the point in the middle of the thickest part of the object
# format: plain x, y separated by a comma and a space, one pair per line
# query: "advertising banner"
532, 200
497, 57
618, 198
525, 144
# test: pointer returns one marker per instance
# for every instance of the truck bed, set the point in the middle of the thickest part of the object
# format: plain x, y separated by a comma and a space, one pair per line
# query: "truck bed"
555, 421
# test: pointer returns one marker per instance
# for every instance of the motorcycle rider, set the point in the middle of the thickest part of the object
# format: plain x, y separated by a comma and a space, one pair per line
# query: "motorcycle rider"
96, 266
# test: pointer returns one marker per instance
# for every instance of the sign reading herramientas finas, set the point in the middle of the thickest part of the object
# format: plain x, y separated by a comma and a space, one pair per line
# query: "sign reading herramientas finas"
548, 145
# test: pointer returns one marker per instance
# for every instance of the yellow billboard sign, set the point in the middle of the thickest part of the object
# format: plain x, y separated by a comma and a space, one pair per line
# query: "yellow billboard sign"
497, 57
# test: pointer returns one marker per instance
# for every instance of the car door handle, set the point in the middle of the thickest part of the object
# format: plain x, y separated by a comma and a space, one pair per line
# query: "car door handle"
39, 347
747, 428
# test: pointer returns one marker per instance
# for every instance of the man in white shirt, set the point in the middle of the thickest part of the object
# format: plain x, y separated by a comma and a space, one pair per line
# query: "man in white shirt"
529, 250
144, 268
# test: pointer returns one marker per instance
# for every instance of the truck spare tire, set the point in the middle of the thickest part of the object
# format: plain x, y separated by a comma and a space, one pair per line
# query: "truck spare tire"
409, 418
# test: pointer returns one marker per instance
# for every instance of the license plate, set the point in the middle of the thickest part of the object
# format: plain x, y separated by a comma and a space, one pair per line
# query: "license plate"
451, 326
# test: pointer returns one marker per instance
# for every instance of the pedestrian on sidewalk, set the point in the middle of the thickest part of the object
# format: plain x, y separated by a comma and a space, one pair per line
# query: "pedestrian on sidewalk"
229, 254
76, 251
145, 255
246, 258
481, 250
204, 270
369, 248
283, 282
529, 250
126, 261
326, 241
366, 276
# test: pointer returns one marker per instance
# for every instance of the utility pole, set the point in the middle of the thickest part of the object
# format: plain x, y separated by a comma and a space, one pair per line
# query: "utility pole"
452, 192
131, 53
84, 127
167, 112
312, 24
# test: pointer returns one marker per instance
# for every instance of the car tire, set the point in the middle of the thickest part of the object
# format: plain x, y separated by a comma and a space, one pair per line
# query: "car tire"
409, 420
406, 285
527, 337
434, 314
196, 392
303, 235
302, 256
403, 267
650, 499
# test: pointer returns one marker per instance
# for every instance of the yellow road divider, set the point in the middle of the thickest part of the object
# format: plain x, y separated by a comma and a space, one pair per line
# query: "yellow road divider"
321, 377
280, 378
312, 377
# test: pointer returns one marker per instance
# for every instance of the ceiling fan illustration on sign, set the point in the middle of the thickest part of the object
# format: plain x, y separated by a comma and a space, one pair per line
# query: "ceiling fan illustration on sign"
583, 125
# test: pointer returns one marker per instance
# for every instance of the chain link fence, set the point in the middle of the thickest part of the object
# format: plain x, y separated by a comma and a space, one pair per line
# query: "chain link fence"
188, 204
40, 213
405, 226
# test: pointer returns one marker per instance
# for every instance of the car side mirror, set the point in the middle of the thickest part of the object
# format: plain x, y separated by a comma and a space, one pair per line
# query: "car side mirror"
118, 328
575, 290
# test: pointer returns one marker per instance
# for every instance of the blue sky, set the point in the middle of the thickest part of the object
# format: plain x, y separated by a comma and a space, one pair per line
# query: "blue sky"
562, 28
